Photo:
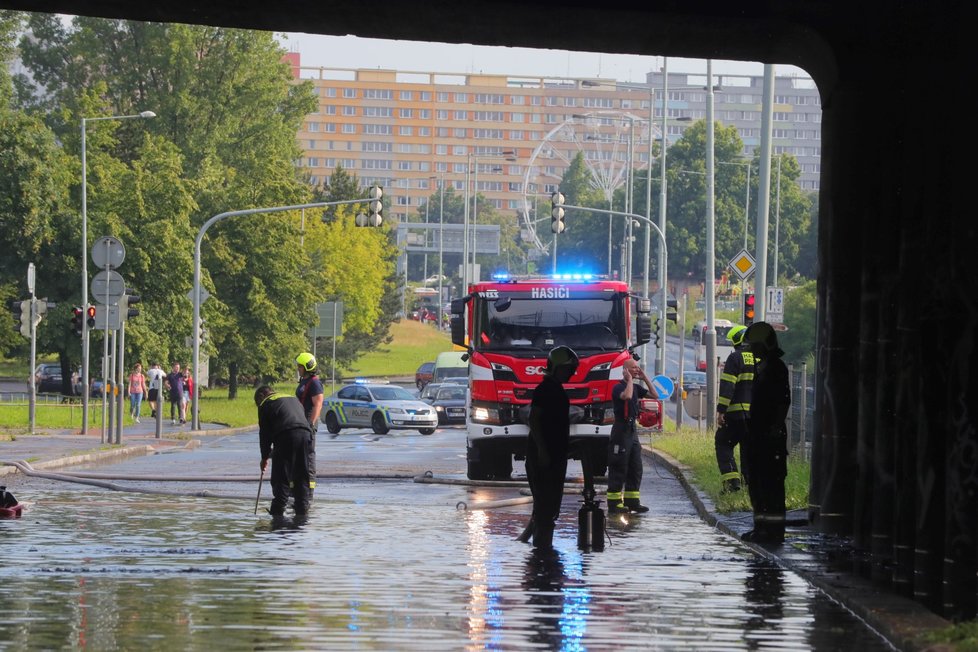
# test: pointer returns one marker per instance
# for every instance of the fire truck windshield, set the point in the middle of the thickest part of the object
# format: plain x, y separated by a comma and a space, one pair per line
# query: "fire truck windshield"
532, 325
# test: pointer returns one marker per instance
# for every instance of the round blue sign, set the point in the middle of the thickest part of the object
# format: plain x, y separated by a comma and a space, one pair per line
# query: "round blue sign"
663, 386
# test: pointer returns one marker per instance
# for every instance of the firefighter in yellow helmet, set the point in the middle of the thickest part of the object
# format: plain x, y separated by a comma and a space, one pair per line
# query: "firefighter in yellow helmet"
310, 393
733, 407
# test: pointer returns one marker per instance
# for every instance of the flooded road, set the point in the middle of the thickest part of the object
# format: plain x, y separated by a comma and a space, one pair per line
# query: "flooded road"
384, 564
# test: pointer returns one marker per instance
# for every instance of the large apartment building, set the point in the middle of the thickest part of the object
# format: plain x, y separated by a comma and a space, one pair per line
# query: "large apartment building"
510, 138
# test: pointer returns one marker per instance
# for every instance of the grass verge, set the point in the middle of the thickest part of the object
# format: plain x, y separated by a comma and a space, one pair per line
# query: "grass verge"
414, 343
695, 449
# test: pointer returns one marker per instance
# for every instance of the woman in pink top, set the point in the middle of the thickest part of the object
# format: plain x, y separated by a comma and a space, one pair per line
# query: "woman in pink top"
137, 388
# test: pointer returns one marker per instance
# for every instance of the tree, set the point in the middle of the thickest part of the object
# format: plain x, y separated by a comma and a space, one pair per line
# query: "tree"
229, 107
798, 342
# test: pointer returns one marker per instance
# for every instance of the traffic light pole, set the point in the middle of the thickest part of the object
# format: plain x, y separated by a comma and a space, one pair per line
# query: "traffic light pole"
375, 219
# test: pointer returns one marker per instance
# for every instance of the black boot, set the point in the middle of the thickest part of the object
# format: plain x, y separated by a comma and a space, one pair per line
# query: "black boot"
730, 486
634, 506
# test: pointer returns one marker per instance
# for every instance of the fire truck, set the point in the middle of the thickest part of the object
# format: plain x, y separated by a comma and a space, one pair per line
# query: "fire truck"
508, 326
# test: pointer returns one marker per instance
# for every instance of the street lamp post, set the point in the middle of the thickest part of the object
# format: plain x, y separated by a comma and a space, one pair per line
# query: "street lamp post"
507, 155
84, 259
710, 335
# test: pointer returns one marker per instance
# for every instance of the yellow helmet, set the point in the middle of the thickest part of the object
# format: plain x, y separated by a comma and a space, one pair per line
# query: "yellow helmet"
736, 334
307, 361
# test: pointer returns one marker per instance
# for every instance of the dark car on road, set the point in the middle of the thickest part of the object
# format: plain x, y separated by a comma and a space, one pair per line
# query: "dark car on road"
423, 375
692, 380
450, 403
47, 378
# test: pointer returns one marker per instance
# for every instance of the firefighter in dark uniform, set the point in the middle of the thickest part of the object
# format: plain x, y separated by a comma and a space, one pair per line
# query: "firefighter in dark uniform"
548, 443
733, 408
765, 447
310, 393
285, 437
624, 449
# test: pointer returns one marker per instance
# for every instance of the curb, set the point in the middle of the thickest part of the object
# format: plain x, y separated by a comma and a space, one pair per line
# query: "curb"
899, 620
116, 454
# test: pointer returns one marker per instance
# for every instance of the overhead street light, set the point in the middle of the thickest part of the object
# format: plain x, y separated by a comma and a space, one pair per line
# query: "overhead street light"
84, 255
505, 155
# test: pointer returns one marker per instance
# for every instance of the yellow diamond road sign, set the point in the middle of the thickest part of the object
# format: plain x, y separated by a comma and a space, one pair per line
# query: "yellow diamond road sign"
742, 264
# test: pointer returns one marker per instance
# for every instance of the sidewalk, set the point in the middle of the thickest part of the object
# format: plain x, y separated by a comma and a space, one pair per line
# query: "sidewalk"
824, 561
52, 449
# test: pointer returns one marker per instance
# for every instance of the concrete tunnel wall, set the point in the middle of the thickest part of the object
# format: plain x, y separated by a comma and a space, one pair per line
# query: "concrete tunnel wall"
895, 459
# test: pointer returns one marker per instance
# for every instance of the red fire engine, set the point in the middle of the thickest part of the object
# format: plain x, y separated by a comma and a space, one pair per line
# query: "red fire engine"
509, 326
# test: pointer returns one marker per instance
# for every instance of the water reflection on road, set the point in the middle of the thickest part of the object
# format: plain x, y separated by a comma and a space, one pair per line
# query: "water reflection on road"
388, 565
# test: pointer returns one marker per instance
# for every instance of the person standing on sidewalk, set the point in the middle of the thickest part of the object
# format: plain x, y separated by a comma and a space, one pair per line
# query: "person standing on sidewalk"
624, 449
137, 389
155, 377
311, 394
174, 387
765, 447
284, 436
547, 445
733, 408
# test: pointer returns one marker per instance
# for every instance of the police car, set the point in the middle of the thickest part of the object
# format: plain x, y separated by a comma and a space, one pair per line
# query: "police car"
378, 406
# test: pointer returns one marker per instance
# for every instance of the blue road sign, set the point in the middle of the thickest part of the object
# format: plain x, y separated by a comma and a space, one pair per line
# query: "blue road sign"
663, 386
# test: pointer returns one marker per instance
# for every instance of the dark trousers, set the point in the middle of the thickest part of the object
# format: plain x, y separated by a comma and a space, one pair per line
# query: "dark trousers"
291, 471
727, 437
765, 458
547, 487
624, 459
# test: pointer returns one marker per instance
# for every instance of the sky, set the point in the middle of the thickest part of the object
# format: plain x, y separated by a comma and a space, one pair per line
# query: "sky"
354, 52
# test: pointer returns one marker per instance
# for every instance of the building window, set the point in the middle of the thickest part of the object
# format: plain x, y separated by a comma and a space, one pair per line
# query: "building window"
329, 127
425, 96
518, 100
424, 114
442, 97
570, 101
459, 168
424, 131
598, 102
487, 116
406, 113
369, 146
312, 126
377, 112
329, 109
442, 132
404, 165
459, 132
487, 98
349, 110
461, 98
405, 131
377, 94
516, 135
406, 95
441, 150
349, 92
441, 166
382, 130
517, 117
441, 114
375, 164
496, 134
349, 129
459, 150
551, 100
329, 92
461, 115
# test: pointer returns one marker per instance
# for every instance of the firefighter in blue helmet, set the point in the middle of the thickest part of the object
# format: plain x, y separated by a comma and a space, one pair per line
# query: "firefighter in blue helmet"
733, 407
624, 449
549, 440
765, 447
285, 437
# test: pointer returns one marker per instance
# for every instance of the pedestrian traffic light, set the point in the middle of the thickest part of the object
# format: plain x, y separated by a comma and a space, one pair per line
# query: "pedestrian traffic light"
77, 319
748, 308
376, 207
90, 316
557, 212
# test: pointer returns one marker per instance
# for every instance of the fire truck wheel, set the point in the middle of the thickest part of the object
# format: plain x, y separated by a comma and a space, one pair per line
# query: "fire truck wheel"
379, 423
477, 471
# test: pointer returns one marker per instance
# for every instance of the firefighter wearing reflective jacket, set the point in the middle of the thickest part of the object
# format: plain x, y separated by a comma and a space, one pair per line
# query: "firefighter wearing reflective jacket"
285, 437
765, 448
624, 449
733, 407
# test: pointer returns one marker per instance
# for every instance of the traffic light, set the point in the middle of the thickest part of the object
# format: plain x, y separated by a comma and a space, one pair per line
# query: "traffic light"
748, 308
672, 310
21, 310
201, 332
77, 317
557, 212
90, 316
125, 311
376, 206
655, 331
